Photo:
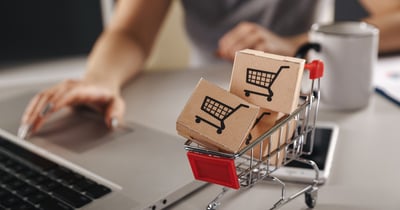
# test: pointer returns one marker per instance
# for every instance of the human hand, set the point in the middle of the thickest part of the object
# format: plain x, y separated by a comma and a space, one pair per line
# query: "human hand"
72, 93
247, 35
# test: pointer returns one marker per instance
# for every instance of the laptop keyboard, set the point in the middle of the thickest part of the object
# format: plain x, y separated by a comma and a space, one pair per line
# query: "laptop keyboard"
28, 181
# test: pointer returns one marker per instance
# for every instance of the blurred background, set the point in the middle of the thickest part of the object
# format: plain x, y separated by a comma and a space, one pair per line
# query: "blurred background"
32, 31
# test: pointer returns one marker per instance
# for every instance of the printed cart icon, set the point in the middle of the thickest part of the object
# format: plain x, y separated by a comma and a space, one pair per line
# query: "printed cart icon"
263, 79
218, 110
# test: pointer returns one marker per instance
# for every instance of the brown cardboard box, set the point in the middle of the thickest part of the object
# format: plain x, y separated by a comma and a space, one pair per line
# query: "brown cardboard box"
285, 133
266, 119
277, 158
277, 139
267, 80
216, 118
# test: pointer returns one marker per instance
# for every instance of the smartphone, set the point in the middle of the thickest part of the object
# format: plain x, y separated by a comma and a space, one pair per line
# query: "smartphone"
325, 139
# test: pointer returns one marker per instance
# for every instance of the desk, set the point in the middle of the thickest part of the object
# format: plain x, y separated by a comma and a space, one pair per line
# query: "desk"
365, 173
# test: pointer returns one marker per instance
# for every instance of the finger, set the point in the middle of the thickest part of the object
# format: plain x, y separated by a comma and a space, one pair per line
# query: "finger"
248, 42
77, 95
63, 88
39, 102
32, 121
29, 109
84, 95
61, 92
36, 108
25, 126
115, 112
38, 123
259, 46
68, 86
233, 37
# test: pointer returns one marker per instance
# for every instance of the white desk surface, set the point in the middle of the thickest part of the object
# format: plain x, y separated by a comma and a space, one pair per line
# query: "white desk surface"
365, 172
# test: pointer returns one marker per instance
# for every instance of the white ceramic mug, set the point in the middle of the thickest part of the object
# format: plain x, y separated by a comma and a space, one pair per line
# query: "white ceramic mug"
349, 51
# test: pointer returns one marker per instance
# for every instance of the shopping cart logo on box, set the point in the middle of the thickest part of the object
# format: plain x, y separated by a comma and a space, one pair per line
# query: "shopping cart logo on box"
217, 110
263, 79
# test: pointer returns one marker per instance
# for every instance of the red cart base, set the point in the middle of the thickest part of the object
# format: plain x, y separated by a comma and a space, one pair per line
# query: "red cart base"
213, 169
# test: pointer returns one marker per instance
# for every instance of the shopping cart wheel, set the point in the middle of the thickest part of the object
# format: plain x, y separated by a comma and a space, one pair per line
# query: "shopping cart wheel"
212, 206
269, 98
246, 93
311, 198
198, 120
219, 131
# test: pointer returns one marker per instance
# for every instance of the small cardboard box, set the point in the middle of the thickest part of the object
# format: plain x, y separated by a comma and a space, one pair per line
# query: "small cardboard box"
277, 158
215, 118
265, 121
267, 80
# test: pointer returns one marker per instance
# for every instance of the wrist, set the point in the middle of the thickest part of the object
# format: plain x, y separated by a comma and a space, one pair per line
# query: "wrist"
101, 81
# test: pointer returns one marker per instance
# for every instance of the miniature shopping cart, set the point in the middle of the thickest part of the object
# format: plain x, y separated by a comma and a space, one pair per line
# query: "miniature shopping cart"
249, 166
263, 79
217, 110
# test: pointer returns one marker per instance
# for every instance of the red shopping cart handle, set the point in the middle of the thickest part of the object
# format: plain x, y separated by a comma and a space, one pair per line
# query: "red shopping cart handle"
217, 170
316, 68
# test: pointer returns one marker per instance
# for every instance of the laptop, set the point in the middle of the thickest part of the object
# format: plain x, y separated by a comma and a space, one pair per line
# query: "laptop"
132, 167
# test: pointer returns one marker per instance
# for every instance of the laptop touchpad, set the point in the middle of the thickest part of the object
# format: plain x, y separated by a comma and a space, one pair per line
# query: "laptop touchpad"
79, 131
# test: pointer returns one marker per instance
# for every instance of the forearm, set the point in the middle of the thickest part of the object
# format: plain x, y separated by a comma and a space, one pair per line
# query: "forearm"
123, 47
115, 59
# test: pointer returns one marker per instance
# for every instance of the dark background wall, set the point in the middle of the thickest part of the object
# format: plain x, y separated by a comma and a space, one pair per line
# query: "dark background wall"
349, 10
47, 28
41, 29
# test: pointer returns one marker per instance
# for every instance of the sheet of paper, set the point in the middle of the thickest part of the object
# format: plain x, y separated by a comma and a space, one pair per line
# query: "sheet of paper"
387, 78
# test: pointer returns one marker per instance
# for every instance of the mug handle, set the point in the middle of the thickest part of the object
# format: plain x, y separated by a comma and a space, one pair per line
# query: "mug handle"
303, 49
316, 67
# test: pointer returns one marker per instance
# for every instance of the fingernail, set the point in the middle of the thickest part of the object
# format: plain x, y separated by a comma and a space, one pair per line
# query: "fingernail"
114, 123
46, 109
24, 130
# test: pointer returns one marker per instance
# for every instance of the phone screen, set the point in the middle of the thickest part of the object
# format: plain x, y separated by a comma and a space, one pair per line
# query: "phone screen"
322, 140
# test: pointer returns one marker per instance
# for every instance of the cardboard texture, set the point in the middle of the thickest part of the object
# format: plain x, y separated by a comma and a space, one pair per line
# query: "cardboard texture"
277, 139
215, 118
278, 158
285, 133
267, 80
266, 119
